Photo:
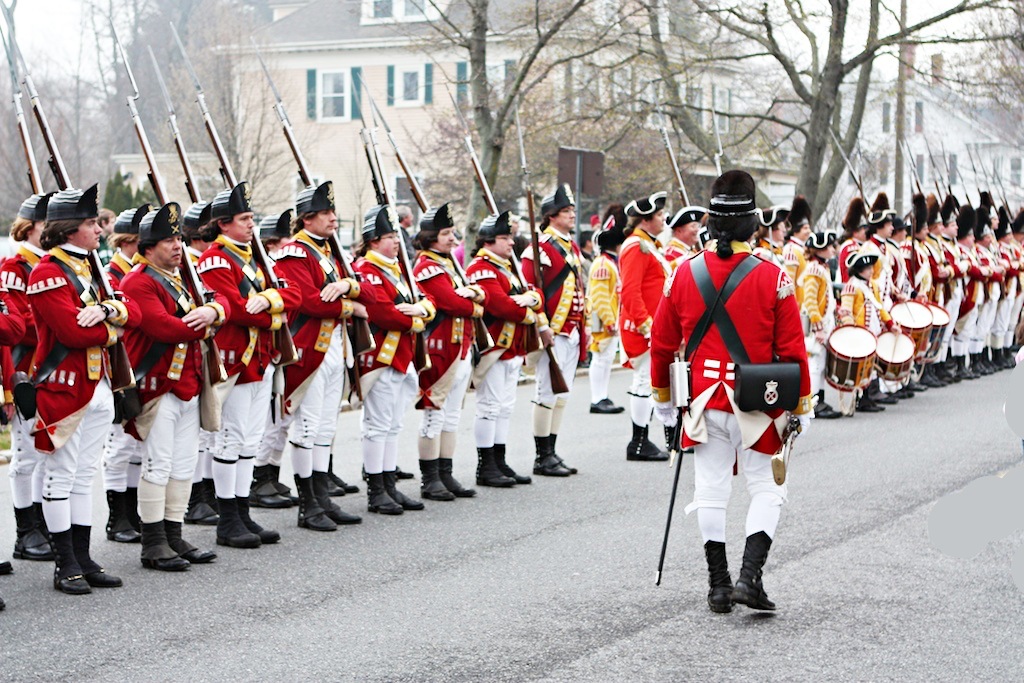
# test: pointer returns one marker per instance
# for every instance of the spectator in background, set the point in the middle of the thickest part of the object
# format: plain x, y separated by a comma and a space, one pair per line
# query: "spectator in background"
586, 242
106, 221
405, 220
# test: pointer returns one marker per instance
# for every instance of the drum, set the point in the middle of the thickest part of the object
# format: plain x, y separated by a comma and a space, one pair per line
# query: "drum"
940, 321
916, 320
850, 351
894, 356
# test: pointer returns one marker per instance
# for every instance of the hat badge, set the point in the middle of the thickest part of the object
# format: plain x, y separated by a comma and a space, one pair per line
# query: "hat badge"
330, 193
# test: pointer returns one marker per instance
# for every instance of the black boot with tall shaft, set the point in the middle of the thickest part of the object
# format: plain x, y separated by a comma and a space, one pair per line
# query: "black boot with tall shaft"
749, 590
719, 581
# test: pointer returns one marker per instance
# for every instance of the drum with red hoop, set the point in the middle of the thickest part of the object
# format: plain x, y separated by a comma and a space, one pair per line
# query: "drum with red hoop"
916, 320
894, 356
940, 321
850, 352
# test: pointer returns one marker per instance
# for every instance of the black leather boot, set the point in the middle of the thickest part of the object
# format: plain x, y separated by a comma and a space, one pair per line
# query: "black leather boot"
230, 529
503, 467
963, 371
399, 474
749, 591
31, 543
407, 503
431, 487
157, 553
546, 464
263, 493
311, 515
720, 593
378, 499
267, 536
823, 411
641, 448
282, 489
94, 574
67, 574
487, 472
554, 439
210, 494
119, 529
321, 482
179, 545
444, 470
338, 481
131, 508
199, 511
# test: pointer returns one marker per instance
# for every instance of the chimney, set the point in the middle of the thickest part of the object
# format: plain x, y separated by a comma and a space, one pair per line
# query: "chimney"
909, 59
938, 70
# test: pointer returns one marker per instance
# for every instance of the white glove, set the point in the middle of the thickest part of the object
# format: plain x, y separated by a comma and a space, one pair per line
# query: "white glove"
805, 422
666, 413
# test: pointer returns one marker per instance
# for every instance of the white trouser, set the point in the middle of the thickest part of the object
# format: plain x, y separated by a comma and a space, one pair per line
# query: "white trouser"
204, 463
566, 350
275, 435
171, 449
961, 344
446, 418
121, 459
601, 370
316, 419
1000, 322
495, 401
816, 366
243, 420
71, 468
953, 310
27, 465
986, 318
640, 390
383, 412
712, 464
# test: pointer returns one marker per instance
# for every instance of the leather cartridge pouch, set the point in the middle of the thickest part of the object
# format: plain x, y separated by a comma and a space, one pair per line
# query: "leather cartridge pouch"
24, 395
767, 386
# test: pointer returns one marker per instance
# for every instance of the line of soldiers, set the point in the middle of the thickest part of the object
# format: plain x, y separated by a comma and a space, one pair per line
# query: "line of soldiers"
181, 447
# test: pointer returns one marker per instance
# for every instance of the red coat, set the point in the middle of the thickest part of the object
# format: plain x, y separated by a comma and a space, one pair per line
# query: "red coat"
14, 276
391, 328
564, 286
507, 321
642, 271
850, 246
56, 304
765, 313
451, 331
161, 324
118, 267
221, 273
304, 264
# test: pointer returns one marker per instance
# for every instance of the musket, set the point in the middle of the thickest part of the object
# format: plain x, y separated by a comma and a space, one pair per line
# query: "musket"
849, 166
283, 342
421, 358
913, 166
669, 151
359, 328
481, 335
121, 375
999, 182
974, 170
214, 364
34, 179
718, 139
172, 124
558, 384
931, 159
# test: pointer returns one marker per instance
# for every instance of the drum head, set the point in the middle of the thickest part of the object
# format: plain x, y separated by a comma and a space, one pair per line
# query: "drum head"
895, 348
851, 341
939, 316
911, 315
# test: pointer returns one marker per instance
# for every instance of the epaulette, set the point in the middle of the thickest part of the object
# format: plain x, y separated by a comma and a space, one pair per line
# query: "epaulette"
291, 250
213, 263
817, 268
47, 284
601, 272
12, 281
849, 287
483, 274
429, 272
784, 286
374, 279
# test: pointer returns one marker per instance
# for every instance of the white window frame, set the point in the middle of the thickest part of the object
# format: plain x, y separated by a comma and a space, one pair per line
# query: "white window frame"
401, 11
346, 97
400, 72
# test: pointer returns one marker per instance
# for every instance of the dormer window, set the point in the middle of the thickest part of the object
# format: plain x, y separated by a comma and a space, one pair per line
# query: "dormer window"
385, 11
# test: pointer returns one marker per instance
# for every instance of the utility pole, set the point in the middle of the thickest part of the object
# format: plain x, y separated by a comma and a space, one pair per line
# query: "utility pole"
901, 115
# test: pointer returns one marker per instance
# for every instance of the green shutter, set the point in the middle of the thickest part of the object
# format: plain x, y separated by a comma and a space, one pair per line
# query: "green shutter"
391, 86
462, 84
311, 94
428, 83
356, 101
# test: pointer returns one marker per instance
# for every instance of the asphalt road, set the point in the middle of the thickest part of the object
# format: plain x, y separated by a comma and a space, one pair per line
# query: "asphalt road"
555, 581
